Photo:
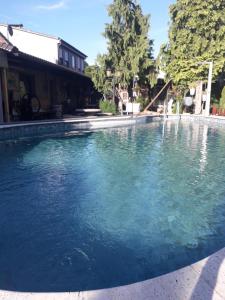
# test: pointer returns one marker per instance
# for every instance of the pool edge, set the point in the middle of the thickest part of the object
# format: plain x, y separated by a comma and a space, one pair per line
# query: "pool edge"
15, 131
204, 279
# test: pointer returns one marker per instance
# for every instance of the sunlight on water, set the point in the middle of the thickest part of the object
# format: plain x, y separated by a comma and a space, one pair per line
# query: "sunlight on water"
111, 207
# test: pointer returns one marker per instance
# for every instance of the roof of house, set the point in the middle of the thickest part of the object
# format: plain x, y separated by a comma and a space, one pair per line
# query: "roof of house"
6, 45
30, 31
64, 43
29, 57
61, 41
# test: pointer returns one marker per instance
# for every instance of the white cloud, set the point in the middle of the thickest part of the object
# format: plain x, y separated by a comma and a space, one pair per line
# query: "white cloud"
53, 6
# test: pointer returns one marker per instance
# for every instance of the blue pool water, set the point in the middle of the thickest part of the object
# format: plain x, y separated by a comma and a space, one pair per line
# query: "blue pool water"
111, 207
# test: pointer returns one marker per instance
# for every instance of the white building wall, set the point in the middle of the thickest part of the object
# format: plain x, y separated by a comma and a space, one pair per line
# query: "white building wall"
33, 43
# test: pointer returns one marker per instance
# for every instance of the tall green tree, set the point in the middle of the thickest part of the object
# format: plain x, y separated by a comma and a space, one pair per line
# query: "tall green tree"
129, 46
97, 73
197, 34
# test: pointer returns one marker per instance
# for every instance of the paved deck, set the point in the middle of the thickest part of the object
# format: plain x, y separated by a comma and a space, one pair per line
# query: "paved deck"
204, 280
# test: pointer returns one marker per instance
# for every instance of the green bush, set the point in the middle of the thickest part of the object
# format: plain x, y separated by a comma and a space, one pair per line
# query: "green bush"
214, 100
175, 107
222, 99
143, 102
107, 106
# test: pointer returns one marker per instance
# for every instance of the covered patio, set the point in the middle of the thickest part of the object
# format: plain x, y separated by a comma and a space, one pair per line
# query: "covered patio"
35, 89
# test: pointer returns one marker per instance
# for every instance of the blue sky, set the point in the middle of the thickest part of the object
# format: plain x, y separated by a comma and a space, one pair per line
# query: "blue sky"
80, 22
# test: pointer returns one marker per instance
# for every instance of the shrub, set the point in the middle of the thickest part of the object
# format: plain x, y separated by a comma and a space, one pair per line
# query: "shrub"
222, 99
143, 102
175, 106
107, 106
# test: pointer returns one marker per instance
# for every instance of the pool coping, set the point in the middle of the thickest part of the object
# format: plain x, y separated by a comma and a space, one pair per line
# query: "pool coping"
15, 131
211, 118
204, 279
64, 127
66, 120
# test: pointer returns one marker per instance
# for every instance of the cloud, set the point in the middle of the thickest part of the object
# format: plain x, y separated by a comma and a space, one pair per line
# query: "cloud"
53, 6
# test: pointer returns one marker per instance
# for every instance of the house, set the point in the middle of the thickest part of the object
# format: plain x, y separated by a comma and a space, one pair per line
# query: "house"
42, 76
46, 47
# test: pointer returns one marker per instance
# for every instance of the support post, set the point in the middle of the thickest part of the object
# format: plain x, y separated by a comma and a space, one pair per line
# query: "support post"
5, 94
209, 87
166, 104
113, 84
198, 98
1, 102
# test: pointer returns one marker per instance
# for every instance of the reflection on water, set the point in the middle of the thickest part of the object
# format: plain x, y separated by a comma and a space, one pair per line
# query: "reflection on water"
203, 160
110, 208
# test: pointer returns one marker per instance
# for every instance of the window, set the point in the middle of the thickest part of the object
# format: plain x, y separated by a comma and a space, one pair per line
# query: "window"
60, 52
78, 63
66, 55
60, 55
73, 62
82, 65
66, 58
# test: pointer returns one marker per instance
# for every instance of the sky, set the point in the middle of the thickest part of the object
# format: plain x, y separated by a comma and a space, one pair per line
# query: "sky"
81, 22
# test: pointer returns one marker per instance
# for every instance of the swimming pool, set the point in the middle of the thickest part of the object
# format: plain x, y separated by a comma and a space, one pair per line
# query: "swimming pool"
110, 207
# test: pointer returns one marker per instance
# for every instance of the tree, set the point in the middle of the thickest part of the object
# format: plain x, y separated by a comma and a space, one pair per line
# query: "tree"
98, 74
222, 99
129, 47
197, 34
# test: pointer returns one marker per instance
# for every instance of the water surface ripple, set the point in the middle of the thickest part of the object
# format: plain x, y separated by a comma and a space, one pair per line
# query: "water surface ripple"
111, 207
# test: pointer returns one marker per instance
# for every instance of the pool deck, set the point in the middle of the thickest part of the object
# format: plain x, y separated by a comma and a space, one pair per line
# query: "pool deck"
204, 280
